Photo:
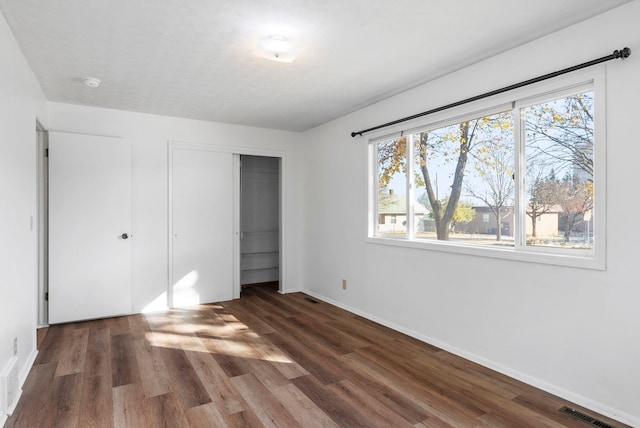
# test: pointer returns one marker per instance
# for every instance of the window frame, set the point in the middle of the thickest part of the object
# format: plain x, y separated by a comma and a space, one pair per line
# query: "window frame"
592, 79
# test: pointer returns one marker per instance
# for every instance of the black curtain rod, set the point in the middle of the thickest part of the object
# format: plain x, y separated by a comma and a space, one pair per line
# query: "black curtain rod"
623, 53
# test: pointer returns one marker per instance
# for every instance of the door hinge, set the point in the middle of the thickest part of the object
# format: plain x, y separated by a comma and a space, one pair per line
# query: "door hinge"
46, 153
46, 296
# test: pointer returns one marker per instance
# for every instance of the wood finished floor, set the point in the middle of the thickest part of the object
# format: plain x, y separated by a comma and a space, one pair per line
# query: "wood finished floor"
266, 360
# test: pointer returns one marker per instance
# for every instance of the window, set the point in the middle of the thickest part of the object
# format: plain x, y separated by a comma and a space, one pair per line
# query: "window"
519, 182
558, 153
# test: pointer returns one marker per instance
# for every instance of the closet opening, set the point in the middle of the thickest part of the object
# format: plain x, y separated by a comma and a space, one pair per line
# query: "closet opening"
260, 222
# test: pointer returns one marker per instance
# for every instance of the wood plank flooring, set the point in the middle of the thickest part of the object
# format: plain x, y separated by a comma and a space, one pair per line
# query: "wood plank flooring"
266, 360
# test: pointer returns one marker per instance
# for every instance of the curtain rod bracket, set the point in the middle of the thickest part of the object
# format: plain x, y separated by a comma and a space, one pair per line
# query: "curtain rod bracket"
622, 53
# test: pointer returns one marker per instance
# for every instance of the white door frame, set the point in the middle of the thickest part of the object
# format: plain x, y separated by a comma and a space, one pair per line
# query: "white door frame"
42, 224
237, 152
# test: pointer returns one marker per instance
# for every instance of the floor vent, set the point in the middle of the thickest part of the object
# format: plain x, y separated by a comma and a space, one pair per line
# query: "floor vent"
9, 389
312, 300
585, 418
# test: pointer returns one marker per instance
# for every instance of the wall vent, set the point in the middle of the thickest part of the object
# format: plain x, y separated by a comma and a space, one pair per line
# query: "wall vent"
9, 389
585, 418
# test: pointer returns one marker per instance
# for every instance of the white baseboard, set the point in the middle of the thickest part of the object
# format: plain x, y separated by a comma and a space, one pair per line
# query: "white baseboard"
523, 377
295, 290
27, 367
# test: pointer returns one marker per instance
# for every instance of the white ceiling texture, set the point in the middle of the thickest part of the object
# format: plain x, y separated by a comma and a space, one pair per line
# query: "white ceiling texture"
197, 58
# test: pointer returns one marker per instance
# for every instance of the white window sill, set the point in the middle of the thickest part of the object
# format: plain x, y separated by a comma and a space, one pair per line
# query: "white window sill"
535, 255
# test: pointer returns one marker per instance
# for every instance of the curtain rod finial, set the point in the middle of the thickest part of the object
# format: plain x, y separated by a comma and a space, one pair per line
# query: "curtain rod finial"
623, 53
353, 134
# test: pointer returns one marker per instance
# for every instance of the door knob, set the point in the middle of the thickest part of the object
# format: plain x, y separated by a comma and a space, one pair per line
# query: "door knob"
124, 236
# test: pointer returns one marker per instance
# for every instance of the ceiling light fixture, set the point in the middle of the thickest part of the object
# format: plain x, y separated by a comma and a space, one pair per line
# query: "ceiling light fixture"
276, 48
277, 45
91, 82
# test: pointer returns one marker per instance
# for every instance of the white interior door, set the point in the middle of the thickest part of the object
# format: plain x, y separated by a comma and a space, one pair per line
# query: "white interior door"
201, 226
89, 227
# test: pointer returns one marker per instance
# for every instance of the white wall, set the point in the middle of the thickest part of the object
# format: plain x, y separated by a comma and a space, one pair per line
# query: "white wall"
149, 135
574, 332
21, 102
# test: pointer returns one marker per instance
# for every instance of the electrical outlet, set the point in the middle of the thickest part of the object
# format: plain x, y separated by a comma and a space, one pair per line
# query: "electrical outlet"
15, 346
344, 284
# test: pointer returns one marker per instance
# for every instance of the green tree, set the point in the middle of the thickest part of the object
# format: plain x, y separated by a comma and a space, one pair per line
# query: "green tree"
449, 144
463, 214
560, 133
544, 195
494, 166
392, 156
462, 142
575, 199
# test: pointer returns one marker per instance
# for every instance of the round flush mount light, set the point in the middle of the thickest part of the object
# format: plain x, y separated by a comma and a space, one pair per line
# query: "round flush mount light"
275, 44
277, 48
91, 82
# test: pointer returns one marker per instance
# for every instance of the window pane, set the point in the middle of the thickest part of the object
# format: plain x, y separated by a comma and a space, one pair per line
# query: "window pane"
559, 172
392, 187
464, 181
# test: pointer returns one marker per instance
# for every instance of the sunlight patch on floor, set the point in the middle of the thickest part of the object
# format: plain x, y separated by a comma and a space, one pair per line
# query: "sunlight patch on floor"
259, 350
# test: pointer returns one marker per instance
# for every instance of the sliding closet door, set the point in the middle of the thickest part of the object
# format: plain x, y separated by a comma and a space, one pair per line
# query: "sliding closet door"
201, 229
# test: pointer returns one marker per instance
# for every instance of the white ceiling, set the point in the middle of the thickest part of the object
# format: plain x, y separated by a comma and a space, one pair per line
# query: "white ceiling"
196, 58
